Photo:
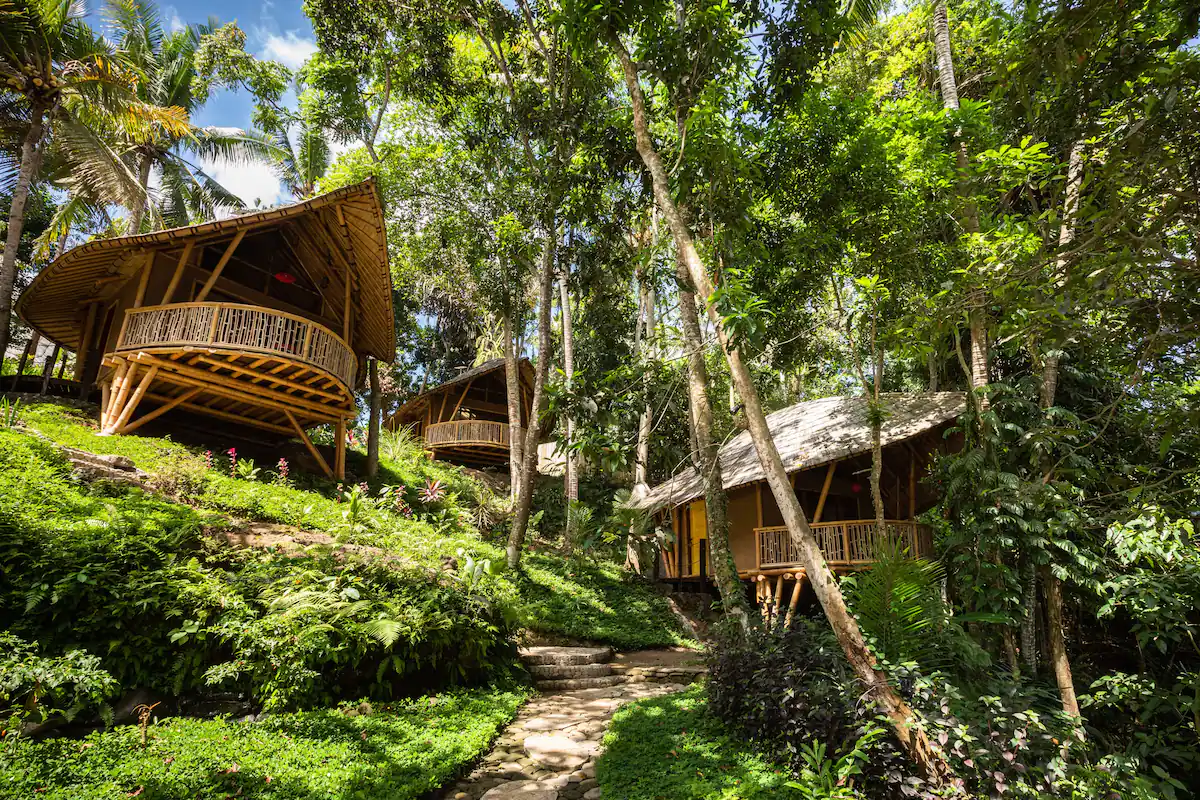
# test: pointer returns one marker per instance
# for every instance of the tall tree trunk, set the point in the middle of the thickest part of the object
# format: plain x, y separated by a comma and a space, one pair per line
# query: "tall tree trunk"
571, 469
374, 418
929, 759
30, 158
137, 214
1029, 605
706, 455
1055, 631
876, 409
516, 431
976, 313
516, 537
641, 468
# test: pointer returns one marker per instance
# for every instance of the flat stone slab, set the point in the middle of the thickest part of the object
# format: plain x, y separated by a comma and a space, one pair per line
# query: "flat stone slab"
560, 751
565, 656
521, 790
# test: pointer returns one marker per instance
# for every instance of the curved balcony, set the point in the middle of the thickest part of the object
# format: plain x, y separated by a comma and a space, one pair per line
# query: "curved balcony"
238, 329
845, 543
467, 433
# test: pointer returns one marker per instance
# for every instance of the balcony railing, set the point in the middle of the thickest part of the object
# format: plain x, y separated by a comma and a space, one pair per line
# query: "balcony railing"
229, 326
844, 543
467, 432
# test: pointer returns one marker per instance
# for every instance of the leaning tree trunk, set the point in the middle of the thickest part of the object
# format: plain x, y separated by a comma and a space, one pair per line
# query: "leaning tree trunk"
928, 758
516, 434
374, 418
706, 455
30, 156
516, 537
571, 476
1055, 631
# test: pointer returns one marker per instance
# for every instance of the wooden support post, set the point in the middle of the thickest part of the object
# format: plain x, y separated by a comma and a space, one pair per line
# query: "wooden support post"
824, 492
442, 409
312, 448
177, 276
48, 370
220, 267
800, 578
158, 412
346, 308
912, 488
339, 461
113, 388
140, 297
758, 497
30, 347
127, 410
458, 405
81, 353
778, 594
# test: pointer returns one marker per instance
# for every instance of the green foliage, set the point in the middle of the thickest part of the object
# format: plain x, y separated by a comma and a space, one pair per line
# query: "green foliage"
35, 687
672, 748
10, 412
397, 750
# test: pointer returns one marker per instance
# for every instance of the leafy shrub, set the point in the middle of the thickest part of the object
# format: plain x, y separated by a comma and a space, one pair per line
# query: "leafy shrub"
398, 751
670, 748
35, 687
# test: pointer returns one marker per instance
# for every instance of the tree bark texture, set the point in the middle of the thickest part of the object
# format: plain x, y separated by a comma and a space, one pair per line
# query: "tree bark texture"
928, 758
1066, 235
516, 537
1058, 645
641, 468
516, 432
374, 418
30, 157
571, 471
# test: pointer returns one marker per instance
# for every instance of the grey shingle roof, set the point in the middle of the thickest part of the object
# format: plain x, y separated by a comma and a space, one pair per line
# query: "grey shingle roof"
810, 434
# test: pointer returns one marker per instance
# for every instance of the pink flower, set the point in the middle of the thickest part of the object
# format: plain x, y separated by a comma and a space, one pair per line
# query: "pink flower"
208, 459
232, 462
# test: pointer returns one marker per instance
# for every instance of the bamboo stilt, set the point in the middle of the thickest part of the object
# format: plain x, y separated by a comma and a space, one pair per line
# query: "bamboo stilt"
114, 390
158, 412
220, 267
339, 466
178, 274
312, 448
127, 411
800, 579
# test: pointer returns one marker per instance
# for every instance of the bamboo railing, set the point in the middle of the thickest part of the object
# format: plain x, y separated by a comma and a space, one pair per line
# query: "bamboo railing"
469, 432
238, 327
844, 543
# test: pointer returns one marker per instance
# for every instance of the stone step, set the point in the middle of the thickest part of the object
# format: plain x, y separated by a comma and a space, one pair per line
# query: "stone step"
564, 671
565, 656
601, 682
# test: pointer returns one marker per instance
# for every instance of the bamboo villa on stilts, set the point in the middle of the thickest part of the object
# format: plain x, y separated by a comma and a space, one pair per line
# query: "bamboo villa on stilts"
261, 321
826, 447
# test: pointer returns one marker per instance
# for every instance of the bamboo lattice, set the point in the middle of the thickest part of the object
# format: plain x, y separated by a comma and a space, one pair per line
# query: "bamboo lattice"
467, 432
844, 543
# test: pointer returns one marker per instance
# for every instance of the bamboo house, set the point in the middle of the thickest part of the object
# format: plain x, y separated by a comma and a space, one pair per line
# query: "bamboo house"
260, 321
826, 448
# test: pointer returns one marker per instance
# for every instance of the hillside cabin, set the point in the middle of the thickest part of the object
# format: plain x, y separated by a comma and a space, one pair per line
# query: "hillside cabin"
262, 321
465, 419
826, 448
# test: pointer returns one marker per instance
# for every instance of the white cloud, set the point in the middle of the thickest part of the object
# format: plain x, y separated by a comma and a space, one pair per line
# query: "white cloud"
256, 184
289, 49
176, 24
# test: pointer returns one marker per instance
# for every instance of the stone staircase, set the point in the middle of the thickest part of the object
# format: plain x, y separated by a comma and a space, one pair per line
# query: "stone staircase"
562, 668
556, 669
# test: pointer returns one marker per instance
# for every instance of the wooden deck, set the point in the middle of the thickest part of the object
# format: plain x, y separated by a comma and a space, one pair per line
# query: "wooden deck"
241, 364
845, 543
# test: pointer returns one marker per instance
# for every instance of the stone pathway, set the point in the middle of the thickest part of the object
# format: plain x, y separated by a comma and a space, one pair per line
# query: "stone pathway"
549, 751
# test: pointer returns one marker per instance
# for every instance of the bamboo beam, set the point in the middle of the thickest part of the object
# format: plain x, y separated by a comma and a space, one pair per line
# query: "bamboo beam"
81, 353
339, 465
178, 274
759, 501
912, 489
158, 412
138, 394
824, 492
123, 373
220, 267
458, 405
346, 328
140, 297
275, 380
213, 412
800, 578
312, 448
778, 595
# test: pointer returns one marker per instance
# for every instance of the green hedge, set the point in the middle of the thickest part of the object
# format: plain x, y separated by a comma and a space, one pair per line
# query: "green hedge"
396, 752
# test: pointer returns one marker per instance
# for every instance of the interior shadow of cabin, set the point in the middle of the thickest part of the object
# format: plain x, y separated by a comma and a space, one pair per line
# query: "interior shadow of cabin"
826, 447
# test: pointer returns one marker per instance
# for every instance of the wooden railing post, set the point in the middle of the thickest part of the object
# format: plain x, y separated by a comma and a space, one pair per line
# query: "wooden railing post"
846, 542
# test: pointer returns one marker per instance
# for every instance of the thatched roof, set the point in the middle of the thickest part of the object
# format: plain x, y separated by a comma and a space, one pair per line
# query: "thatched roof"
345, 224
810, 434
524, 367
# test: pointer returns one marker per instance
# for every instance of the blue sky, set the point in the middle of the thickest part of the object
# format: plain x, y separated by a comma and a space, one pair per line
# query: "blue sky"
274, 30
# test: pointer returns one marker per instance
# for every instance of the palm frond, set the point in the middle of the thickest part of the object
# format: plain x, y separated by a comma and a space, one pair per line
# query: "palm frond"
96, 169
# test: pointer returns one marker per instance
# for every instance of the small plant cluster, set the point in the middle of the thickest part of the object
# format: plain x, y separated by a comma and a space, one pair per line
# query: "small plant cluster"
34, 687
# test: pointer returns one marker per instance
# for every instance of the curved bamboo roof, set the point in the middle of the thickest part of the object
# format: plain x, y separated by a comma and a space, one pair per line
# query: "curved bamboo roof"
327, 232
416, 404
811, 434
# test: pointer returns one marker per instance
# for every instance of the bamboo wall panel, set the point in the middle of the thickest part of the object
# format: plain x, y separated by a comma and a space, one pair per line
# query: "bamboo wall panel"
844, 543
239, 327
467, 432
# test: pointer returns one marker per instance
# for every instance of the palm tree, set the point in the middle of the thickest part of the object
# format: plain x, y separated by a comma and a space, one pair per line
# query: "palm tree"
57, 76
170, 79
304, 157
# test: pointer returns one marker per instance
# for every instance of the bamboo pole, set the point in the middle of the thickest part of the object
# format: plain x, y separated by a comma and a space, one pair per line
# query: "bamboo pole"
158, 412
114, 386
339, 467
118, 398
81, 354
312, 448
800, 578
912, 489
458, 405
140, 297
178, 274
824, 492
138, 394
220, 267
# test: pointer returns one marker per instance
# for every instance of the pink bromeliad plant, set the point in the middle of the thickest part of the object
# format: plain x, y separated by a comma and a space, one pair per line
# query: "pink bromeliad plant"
282, 470
232, 462
433, 492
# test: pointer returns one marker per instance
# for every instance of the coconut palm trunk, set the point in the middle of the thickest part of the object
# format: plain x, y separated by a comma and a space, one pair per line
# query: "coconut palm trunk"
928, 758
30, 159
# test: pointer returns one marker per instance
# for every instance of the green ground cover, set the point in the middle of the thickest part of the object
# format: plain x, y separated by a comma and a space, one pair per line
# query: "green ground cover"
670, 748
398, 751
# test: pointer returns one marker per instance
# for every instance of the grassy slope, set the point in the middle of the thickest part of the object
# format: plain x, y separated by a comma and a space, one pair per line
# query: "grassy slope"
400, 751
591, 601
669, 748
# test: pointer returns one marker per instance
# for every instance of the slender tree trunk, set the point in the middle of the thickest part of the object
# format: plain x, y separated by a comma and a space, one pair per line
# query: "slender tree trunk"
877, 431
1055, 631
1029, 604
571, 469
929, 759
641, 467
30, 158
137, 214
707, 452
374, 418
516, 432
932, 364
516, 537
